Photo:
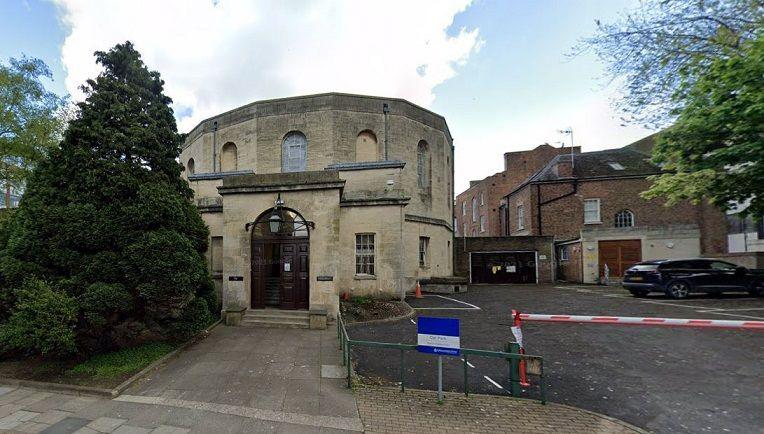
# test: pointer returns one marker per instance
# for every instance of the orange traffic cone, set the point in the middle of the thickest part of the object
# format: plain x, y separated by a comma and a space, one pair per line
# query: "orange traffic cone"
418, 292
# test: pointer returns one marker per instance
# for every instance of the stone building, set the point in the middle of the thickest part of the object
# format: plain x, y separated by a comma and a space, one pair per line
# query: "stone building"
310, 197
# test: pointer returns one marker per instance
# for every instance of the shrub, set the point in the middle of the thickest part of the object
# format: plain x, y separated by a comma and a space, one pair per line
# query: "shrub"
41, 322
196, 316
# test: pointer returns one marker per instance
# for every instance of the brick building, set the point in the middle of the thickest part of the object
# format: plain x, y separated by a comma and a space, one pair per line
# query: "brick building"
590, 204
479, 209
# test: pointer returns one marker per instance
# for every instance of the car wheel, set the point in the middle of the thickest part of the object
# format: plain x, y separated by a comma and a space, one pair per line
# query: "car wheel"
678, 289
757, 289
639, 294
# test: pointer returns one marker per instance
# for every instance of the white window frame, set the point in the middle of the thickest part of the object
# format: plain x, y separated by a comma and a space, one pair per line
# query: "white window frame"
474, 209
598, 220
482, 223
424, 257
482, 199
365, 248
632, 218
464, 229
294, 152
464, 207
520, 217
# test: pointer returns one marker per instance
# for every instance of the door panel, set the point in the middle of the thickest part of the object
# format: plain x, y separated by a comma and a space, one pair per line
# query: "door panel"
257, 277
288, 276
619, 255
301, 289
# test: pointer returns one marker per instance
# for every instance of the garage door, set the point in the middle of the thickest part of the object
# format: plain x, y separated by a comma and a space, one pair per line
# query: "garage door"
503, 267
619, 255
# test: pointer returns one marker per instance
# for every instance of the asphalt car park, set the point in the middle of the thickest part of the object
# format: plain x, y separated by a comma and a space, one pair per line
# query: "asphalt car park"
658, 378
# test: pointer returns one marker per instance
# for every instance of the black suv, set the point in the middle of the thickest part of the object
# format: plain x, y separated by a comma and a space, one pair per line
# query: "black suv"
678, 277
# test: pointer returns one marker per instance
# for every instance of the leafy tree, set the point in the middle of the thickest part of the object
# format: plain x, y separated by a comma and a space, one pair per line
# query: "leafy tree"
108, 221
660, 49
716, 147
31, 119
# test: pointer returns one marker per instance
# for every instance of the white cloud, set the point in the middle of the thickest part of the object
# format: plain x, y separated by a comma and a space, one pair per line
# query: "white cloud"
215, 56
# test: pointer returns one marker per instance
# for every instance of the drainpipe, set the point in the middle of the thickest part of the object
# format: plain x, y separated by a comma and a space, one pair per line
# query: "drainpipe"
214, 146
538, 208
385, 110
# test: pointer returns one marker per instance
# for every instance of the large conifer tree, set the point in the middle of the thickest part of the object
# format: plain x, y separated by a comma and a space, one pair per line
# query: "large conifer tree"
109, 224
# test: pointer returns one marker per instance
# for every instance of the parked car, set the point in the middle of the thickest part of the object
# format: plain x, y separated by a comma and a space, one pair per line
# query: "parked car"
679, 277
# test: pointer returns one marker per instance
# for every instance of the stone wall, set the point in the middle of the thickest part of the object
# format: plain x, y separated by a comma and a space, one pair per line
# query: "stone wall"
319, 204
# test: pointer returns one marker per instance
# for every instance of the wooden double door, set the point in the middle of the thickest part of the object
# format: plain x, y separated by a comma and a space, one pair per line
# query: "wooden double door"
618, 255
280, 274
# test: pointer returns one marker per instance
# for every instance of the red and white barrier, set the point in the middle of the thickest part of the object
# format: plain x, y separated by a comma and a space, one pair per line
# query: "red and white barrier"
631, 320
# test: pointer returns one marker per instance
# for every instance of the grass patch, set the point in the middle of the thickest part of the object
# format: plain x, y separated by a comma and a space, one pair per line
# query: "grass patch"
122, 362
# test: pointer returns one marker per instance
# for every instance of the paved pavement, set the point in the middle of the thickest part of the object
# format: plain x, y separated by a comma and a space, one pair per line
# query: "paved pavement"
386, 410
660, 379
237, 380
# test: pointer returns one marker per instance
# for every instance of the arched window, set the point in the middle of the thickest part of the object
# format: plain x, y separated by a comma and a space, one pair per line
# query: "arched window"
190, 166
228, 158
422, 165
624, 219
280, 222
294, 151
366, 147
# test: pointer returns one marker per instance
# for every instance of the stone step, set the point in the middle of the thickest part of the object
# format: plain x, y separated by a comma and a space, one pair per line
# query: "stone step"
276, 313
277, 323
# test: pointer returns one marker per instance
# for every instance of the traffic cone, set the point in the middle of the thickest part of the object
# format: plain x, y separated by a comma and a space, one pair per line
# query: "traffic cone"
418, 292
346, 295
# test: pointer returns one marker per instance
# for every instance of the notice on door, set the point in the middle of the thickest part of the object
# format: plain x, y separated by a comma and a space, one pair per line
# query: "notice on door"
287, 266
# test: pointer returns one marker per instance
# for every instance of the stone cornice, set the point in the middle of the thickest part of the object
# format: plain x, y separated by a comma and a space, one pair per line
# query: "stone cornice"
268, 182
325, 101
367, 165
217, 175
377, 201
427, 220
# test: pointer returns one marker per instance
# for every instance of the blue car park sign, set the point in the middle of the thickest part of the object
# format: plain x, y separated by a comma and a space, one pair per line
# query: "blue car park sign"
438, 336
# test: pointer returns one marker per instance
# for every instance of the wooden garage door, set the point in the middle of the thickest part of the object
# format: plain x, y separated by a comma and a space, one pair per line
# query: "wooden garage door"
619, 255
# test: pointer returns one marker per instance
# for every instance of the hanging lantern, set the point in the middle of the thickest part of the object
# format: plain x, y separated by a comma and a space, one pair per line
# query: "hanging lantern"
275, 221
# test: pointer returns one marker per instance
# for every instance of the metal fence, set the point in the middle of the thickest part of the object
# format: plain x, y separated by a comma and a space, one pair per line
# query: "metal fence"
534, 365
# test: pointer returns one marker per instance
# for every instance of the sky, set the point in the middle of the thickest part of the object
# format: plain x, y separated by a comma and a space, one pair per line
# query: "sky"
499, 71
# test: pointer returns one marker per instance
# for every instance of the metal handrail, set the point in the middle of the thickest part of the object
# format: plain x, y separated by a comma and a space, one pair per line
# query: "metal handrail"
514, 358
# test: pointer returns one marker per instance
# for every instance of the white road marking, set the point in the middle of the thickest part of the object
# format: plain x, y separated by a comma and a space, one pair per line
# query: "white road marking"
412, 321
471, 306
735, 310
458, 301
492, 382
469, 364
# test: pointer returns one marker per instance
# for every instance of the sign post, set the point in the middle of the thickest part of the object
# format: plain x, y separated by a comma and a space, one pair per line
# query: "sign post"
438, 336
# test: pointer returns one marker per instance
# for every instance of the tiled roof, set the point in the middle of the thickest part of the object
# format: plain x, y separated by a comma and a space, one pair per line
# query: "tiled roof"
612, 162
